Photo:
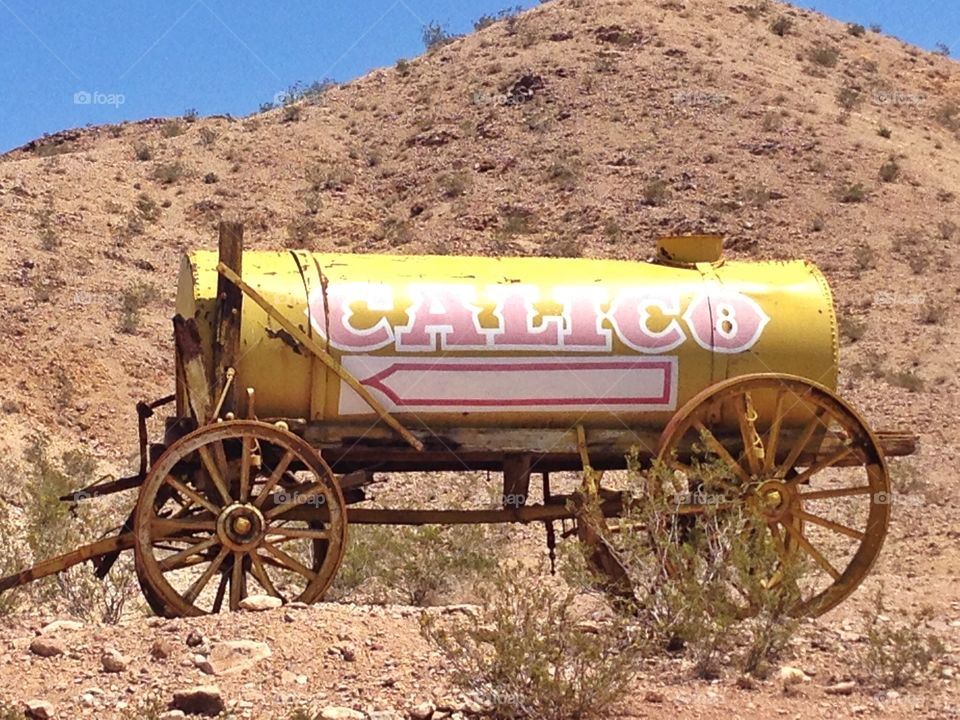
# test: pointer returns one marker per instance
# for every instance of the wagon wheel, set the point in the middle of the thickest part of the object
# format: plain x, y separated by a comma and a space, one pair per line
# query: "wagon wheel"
796, 462
237, 508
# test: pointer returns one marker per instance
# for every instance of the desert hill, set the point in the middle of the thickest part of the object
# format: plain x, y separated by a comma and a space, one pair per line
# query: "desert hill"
581, 127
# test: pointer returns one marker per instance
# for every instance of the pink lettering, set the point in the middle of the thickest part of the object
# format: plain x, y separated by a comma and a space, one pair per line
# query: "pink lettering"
725, 321
444, 311
337, 325
631, 319
516, 312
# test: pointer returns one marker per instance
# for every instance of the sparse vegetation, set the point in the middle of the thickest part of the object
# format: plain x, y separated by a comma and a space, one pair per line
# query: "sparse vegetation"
403, 67
656, 193
133, 300
207, 137
172, 129
884, 132
169, 173
890, 170
824, 55
529, 652
856, 29
852, 328
143, 152
781, 25
855, 193
849, 98
515, 220
435, 36
485, 21
49, 238
396, 232
941, 49
948, 115
454, 185
327, 177
897, 653
865, 257
906, 379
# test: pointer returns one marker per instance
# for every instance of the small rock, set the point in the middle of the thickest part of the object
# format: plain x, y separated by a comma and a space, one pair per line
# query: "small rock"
892, 695
654, 696
347, 651
233, 656
746, 682
47, 647
200, 700
423, 711
38, 709
113, 662
194, 639
257, 603
61, 626
162, 649
791, 676
341, 713
173, 715
841, 688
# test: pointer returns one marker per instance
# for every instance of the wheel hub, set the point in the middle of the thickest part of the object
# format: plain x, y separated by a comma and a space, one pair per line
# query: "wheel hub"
775, 500
240, 526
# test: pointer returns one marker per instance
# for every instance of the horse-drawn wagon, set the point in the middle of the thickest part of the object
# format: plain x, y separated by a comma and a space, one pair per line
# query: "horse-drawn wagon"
300, 375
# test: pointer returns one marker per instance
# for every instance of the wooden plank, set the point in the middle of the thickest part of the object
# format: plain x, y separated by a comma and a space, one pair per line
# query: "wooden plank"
116, 543
516, 480
226, 351
317, 349
190, 352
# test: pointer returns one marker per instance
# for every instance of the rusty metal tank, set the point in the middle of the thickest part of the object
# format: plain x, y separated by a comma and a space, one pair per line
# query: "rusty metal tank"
518, 342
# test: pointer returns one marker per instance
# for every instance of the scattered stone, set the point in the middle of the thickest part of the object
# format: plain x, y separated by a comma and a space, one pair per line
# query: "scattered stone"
38, 709
892, 695
200, 700
113, 662
346, 651
173, 715
654, 696
841, 688
791, 676
61, 626
194, 639
47, 647
233, 656
341, 713
258, 603
162, 649
746, 682
423, 711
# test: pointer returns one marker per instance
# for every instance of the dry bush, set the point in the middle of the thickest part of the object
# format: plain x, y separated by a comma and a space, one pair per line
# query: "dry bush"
133, 300
530, 651
896, 654
416, 565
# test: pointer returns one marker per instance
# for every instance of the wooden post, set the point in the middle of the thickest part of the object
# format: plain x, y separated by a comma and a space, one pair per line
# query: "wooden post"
229, 306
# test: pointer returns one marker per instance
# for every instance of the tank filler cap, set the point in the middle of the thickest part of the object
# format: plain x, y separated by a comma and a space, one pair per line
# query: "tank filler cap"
690, 250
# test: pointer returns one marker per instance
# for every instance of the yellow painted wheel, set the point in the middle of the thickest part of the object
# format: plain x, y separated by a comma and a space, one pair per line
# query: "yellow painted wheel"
800, 464
234, 509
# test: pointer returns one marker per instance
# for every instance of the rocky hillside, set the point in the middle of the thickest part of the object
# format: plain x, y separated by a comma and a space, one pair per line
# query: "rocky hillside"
581, 127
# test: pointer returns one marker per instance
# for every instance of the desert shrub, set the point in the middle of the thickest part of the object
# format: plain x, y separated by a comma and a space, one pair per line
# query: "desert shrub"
172, 129
133, 300
569, 246
884, 132
530, 652
169, 173
941, 49
564, 174
335, 178
454, 185
396, 231
143, 152
485, 21
856, 29
947, 229
781, 25
948, 115
49, 238
147, 207
416, 565
890, 170
435, 36
896, 654
207, 136
656, 193
849, 98
824, 55
516, 220
190, 115
865, 257
713, 592
851, 328
855, 193
906, 379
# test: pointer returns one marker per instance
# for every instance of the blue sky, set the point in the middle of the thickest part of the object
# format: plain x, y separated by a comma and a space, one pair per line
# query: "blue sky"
69, 63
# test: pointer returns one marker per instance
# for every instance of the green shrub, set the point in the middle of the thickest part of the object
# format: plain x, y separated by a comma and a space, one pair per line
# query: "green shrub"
824, 55
890, 170
781, 25
435, 36
529, 653
133, 300
856, 29
897, 653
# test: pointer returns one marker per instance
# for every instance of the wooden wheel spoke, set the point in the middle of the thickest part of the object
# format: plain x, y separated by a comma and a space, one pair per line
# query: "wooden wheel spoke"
831, 525
817, 556
830, 461
294, 533
213, 467
192, 494
221, 592
303, 495
288, 562
274, 478
245, 461
717, 447
773, 434
191, 594
830, 493
259, 572
171, 528
237, 589
170, 562
801, 442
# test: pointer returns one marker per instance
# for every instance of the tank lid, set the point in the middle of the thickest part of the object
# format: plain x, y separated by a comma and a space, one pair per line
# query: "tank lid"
690, 249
